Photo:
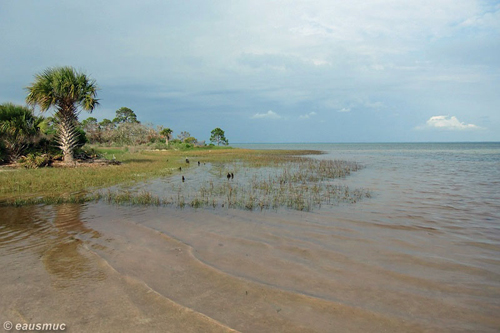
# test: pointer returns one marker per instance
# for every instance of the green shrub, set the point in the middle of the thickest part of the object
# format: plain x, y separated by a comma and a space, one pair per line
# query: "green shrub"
34, 161
4, 156
160, 145
86, 153
190, 140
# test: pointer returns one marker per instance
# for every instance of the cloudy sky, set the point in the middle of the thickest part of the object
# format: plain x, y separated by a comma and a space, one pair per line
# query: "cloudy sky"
272, 71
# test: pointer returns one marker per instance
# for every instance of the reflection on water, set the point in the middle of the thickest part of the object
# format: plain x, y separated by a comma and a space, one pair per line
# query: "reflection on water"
55, 234
52, 273
421, 255
64, 258
19, 226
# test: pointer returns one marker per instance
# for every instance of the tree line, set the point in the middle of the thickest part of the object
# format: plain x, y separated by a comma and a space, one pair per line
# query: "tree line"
68, 92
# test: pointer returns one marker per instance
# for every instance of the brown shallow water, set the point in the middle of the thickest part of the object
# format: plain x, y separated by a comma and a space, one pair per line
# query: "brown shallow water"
103, 268
415, 257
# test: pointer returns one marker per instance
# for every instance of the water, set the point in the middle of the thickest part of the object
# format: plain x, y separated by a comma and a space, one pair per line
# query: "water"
422, 254
446, 183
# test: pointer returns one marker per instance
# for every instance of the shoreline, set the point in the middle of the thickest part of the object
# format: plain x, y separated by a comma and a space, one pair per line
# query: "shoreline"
59, 185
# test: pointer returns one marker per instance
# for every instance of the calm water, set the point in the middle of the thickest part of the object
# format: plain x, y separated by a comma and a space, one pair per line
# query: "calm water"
422, 254
452, 185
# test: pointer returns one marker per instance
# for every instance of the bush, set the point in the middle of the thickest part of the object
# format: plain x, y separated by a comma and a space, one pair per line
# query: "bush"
177, 145
190, 140
34, 161
19, 130
160, 145
82, 137
87, 153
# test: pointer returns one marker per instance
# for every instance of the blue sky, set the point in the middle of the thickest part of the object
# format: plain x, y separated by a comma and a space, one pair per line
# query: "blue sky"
272, 71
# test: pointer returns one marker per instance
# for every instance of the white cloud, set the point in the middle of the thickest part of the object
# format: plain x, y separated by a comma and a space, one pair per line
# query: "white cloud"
319, 62
486, 19
374, 105
308, 115
268, 115
447, 123
344, 110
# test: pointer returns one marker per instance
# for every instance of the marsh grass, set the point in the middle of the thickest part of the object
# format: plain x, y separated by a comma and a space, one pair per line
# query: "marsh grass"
298, 184
22, 185
279, 179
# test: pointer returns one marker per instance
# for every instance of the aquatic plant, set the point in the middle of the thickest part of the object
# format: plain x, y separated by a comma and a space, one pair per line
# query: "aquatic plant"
263, 180
293, 183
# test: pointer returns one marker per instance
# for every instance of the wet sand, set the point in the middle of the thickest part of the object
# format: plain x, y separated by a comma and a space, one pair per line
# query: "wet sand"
103, 268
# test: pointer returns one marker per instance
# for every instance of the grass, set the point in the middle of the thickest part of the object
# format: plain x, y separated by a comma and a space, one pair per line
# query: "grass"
298, 183
288, 179
50, 182
58, 185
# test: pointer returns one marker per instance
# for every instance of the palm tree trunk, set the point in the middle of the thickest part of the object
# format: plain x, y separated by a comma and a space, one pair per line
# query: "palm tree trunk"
67, 135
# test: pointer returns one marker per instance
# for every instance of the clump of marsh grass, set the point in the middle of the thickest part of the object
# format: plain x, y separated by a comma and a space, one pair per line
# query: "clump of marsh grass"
128, 198
277, 182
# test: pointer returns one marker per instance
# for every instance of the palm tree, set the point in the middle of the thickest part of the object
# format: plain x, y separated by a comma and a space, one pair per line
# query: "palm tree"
66, 90
166, 133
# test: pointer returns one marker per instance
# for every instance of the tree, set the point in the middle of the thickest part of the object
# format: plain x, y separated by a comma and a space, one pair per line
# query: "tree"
191, 140
49, 128
218, 136
92, 129
106, 127
107, 124
183, 135
89, 123
125, 115
18, 128
166, 132
66, 90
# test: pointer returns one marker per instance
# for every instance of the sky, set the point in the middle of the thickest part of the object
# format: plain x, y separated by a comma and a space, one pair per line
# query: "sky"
272, 71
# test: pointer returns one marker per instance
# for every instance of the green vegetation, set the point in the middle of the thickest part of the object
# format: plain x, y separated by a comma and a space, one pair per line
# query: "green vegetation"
166, 132
137, 165
66, 90
34, 161
60, 182
218, 137
19, 130
292, 182
125, 115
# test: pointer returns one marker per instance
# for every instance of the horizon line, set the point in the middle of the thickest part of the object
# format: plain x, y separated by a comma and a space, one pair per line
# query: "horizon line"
362, 142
